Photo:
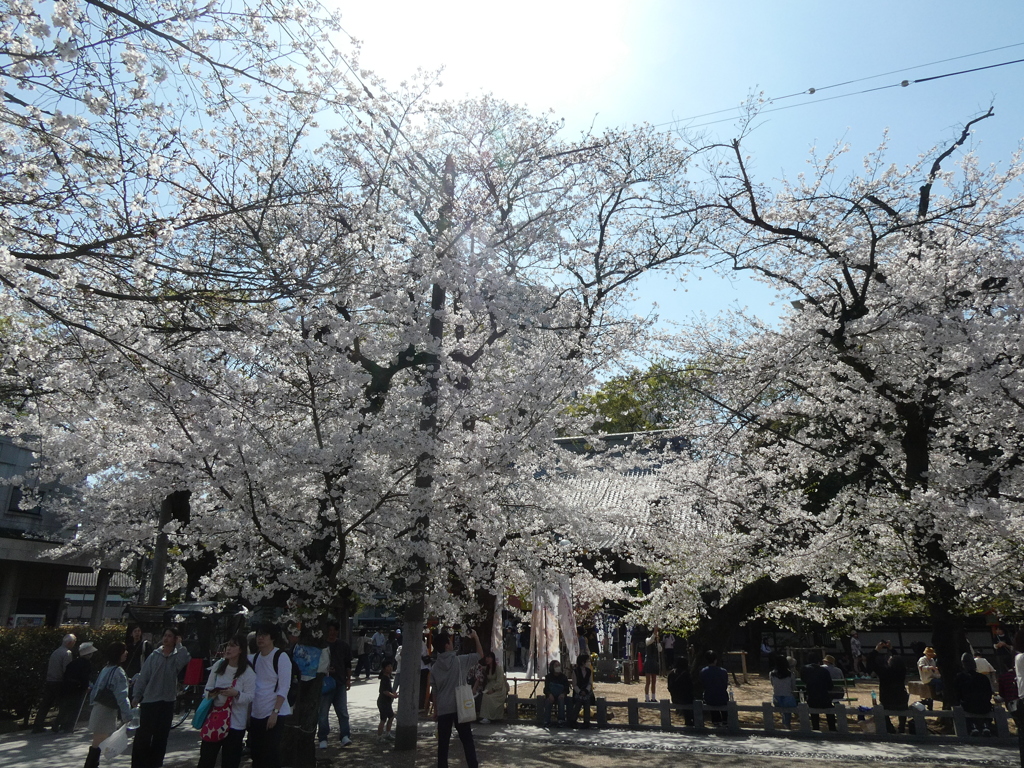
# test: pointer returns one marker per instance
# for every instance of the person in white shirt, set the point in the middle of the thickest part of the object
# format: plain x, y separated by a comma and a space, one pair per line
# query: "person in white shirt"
273, 668
231, 680
986, 668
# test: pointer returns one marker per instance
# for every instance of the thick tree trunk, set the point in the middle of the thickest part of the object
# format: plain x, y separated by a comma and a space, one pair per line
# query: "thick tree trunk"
406, 728
715, 630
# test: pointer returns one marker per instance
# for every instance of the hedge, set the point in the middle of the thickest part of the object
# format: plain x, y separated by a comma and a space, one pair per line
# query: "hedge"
23, 656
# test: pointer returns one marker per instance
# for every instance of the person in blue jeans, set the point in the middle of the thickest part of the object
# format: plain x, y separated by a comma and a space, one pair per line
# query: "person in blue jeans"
783, 693
341, 672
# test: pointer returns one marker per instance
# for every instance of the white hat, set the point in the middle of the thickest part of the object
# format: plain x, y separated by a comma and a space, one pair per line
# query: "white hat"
86, 649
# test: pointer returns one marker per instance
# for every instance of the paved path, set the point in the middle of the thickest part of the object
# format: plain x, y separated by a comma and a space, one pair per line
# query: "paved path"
525, 746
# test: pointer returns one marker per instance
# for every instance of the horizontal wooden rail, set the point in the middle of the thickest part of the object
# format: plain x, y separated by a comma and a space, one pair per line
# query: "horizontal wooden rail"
876, 720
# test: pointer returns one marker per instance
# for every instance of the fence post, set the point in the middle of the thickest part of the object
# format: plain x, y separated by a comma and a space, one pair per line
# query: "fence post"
841, 725
666, 714
960, 722
633, 708
732, 714
512, 708
602, 712
768, 715
920, 724
698, 713
1002, 721
880, 720
804, 714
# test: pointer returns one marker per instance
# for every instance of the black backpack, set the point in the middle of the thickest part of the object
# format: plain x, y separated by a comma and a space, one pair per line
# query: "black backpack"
293, 688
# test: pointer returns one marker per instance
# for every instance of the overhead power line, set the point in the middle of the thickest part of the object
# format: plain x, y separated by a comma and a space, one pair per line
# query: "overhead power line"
812, 91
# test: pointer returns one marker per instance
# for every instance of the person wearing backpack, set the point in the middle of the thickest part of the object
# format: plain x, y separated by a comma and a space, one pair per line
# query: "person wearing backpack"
270, 707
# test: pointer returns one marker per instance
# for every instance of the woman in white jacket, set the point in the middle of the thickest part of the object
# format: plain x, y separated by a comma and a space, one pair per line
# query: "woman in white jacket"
231, 680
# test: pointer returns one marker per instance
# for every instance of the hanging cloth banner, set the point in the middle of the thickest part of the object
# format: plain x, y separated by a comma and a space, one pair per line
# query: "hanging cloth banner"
552, 610
497, 635
567, 618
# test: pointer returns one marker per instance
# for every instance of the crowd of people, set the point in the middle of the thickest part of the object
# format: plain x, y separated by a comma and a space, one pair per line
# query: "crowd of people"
260, 684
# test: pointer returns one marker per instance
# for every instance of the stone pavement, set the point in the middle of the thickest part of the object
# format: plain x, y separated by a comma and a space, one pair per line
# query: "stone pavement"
526, 746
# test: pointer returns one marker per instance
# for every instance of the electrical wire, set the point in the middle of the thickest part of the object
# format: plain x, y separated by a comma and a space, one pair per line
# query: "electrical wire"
902, 84
812, 91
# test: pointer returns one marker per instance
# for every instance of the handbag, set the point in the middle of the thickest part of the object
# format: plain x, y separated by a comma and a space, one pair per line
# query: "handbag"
115, 743
105, 695
217, 724
329, 686
202, 711
218, 721
465, 704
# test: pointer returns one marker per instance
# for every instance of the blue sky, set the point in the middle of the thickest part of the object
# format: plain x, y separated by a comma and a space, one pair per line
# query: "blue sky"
656, 61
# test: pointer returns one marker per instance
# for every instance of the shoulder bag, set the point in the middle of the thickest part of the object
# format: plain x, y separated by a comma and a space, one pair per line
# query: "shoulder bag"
105, 695
218, 722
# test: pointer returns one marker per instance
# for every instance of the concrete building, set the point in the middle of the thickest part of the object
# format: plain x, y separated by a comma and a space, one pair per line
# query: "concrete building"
33, 585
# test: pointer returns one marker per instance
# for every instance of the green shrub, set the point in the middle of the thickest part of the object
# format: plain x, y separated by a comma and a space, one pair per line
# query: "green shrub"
23, 656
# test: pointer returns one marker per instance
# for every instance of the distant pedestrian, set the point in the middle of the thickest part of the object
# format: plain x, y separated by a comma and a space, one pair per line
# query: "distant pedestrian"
361, 648
336, 692
652, 666
77, 678
109, 700
54, 681
857, 654
385, 701
154, 694
668, 645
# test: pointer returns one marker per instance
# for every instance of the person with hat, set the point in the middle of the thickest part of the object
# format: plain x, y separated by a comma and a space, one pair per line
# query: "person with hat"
75, 685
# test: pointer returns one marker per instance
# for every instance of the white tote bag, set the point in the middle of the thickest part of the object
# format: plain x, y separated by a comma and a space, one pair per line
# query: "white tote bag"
115, 743
464, 703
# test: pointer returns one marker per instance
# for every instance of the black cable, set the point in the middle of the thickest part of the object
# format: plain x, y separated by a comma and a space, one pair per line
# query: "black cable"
902, 84
811, 91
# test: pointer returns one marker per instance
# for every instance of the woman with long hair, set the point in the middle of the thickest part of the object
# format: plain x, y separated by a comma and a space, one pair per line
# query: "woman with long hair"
138, 650
232, 684
109, 699
495, 690
783, 693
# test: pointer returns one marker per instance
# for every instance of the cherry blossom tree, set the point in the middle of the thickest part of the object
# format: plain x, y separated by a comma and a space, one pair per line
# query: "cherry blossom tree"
872, 439
343, 321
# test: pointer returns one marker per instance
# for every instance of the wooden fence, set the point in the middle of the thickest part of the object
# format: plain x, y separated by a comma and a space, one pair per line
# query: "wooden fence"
872, 723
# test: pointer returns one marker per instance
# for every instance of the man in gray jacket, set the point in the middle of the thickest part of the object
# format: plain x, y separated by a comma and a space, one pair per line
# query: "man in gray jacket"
157, 688
448, 672
55, 667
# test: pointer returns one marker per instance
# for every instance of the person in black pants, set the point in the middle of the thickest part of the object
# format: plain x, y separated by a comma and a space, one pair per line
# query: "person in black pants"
447, 673
156, 689
270, 707
818, 682
892, 683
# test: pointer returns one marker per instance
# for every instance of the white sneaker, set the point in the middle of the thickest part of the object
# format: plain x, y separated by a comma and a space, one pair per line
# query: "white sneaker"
484, 721
345, 741
323, 744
